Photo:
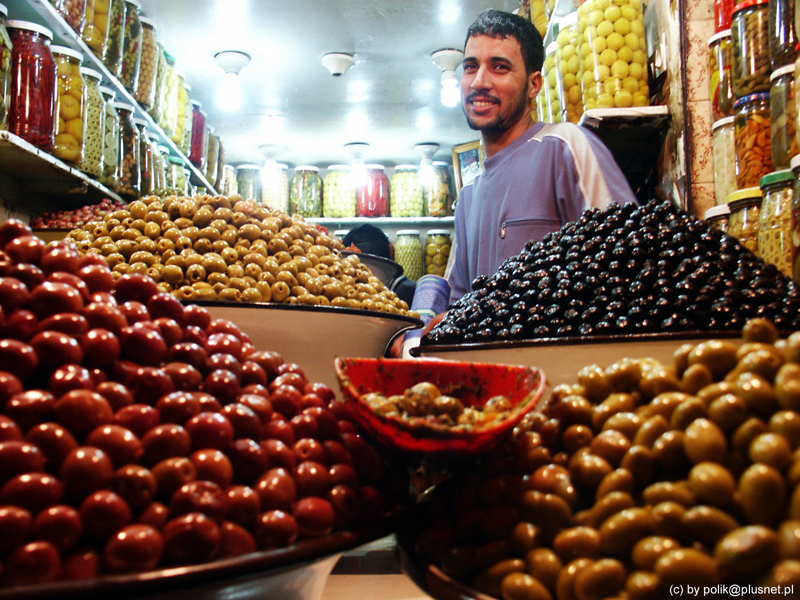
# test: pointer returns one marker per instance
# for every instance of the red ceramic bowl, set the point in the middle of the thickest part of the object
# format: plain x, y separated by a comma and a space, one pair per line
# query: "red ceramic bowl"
472, 383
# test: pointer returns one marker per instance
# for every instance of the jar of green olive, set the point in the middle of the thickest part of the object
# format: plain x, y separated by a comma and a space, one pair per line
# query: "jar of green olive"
339, 192
437, 251
129, 184
405, 196
783, 117
750, 66
110, 175
131, 46
795, 163
408, 253
717, 216
775, 220
92, 163
745, 206
112, 58
145, 91
145, 159
305, 192
275, 185
160, 86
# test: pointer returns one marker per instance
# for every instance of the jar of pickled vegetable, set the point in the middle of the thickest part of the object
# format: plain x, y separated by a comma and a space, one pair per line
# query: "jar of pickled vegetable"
116, 36
145, 159
305, 192
223, 162
129, 184
275, 186
34, 92
437, 251
248, 182
775, 220
539, 15
750, 62
74, 13
5, 68
553, 86
745, 206
160, 87
176, 181
169, 109
230, 184
92, 163
338, 193
724, 159
752, 139
570, 66
783, 115
110, 175
796, 218
406, 192
782, 37
212, 157
95, 33
719, 68
159, 164
198, 149
438, 194
372, 192
408, 253
188, 122
176, 106
71, 105
717, 216
722, 14
131, 46
191, 189
145, 89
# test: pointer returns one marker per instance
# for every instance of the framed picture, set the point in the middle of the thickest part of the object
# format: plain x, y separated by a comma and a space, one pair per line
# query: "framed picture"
467, 162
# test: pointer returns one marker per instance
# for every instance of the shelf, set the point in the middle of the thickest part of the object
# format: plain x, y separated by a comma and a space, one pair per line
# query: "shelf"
41, 173
44, 12
446, 222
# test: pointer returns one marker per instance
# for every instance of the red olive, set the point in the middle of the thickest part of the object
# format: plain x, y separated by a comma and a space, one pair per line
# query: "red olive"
285, 399
190, 353
135, 312
121, 444
134, 548
213, 465
71, 280
55, 349
32, 491
27, 273
183, 375
143, 345
148, 384
267, 360
135, 484
13, 293
275, 529
139, 418
210, 430
68, 378
156, 515
194, 335
315, 516
83, 564
343, 474
235, 541
85, 470
101, 348
54, 440
200, 496
258, 404
310, 449
136, 287
18, 457
178, 407
245, 421
168, 306
171, 474
11, 229
190, 538
31, 408
365, 458
169, 330
346, 501
97, 277
15, 527
20, 325
105, 316
52, 297
311, 478
197, 316
9, 430
18, 358
9, 385
116, 394
322, 391
224, 343
253, 374
25, 249
290, 378
165, 441
276, 489
33, 563
223, 384
249, 460
280, 455
81, 411
229, 327
61, 525
222, 360
244, 505
104, 513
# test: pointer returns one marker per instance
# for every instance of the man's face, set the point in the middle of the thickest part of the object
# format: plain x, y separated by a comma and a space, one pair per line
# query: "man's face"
495, 90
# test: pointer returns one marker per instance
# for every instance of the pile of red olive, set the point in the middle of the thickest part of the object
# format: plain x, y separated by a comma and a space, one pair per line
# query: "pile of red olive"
136, 432
66, 219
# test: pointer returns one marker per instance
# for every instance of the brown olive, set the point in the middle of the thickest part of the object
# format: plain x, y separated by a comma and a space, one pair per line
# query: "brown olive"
669, 450
658, 380
757, 392
686, 412
627, 423
719, 356
577, 542
647, 550
760, 330
651, 430
489, 580
610, 445
787, 424
747, 551
643, 585
668, 519
669, 491
762, 494
544, 565
621, 531
728, 412
642, 464
521, 586
686, 566
787, 386
613, 404
706, 524
771, 449
565, 584
601, 579
696, 378
746, 433
704, 441
712, 484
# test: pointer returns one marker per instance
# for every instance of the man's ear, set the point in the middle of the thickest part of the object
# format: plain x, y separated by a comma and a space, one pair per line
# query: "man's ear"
535, 82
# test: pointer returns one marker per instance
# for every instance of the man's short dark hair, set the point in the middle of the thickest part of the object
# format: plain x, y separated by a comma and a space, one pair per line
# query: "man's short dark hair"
499, 24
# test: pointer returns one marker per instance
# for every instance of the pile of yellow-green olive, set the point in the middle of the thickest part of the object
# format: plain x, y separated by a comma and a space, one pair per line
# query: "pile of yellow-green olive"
225, 248
637, 481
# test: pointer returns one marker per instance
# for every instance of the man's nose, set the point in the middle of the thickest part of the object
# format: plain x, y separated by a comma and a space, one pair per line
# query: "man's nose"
481, 80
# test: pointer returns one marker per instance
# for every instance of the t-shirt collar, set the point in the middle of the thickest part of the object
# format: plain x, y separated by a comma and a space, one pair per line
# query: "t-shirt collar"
498, 158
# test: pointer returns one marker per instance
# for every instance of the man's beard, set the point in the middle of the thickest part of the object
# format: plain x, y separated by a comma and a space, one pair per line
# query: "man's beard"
503, 122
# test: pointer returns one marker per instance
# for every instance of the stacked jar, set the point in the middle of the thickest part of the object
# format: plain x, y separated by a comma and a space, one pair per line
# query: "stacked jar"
539, 15
160, 87
750, 61
275, 184
552, 112
437, 252
570, 56
775, 220
372, 192
131, 46
615, 69
188, 122
145, 89
783, 114
129, 184
305, 192
717, 216
5, 68
169, 109
95, 33
796, 217
71, 105
212, 157
112, 59
719, 68
160, 154
230, 185
248, 182
92, 163
198, 146
74, 13
34, 92
176, 176
145, 159
223, 162
110, 176
406, 192
338, 193
745, 206
438, 194
408, 253
782, 35
724, 159
752, 139
722, 14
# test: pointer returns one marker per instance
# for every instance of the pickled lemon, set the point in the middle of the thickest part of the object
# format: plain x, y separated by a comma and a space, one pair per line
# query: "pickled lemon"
620, 69
629, 13
622, 25
625, 54
574, 94
612, 13
69, 107
605, 101
586, 49
568, 52
605, 28
599, 44
66, 140
632, 41
641, 100
608, 57
611, 85
592, 92
623, 99
636, 71
569, 80
615, 41
75, 129
640, 57
637, 27
596, 17
630, 84
573, 65
602, 73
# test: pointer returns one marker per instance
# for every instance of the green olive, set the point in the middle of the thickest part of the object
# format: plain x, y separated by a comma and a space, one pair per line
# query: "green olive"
627, 423
643, 585
784, 574
707, 524
787, 423
554, 479
719, 356
746, 433
619, 480
771, 449
760, 330
715, 390
647, 550
595, 383
764, 362
588, 470
624, 375
489, 580
613, 404
686, 412
565, 584
728, 412
787, 386
665, 404
524, 537
669, 451
789, 537
712, 484
576, 437
621, 531
610, 445
658, 380
572, 409
641, 462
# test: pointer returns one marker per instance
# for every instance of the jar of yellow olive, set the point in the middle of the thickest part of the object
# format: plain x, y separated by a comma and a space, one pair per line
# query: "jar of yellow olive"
437, 251
775, 220
717, 216
71, 105
745, 207
408, 253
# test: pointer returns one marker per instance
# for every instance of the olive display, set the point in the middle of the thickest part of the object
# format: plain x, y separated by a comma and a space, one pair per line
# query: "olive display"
338, 193
637, 477
139, 433
623, 270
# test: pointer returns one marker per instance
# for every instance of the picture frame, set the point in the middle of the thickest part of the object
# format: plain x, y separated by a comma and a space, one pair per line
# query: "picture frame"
467, 162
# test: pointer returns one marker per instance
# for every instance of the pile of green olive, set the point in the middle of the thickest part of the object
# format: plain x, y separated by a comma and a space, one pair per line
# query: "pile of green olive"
638, 478
225, 248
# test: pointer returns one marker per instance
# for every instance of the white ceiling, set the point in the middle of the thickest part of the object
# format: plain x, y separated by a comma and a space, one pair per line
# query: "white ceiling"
389, 99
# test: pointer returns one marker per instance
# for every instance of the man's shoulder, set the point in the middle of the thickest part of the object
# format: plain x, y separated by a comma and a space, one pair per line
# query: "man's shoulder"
563, 132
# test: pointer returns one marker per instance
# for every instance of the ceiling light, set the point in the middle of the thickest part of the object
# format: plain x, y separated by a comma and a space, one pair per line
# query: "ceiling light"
426, 173
230, 92
448, 60
338, 63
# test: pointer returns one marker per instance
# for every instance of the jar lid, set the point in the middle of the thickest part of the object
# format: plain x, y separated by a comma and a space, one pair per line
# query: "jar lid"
163, 149
747, 4
718, 36
186, 86
777, 177
795, 162
722, 121
28, 26
3, 10
341, 232
140, 122
717, 211
567, 20
441, 163
782, 71
338, 168
152, 137
107, 91
123, 106
406, 168
176, 160
135, 3
92, 73
408, 232
751, 98
438, 232
65, 51
147, 22
551, 48
197, 103
240, 167
283, 166
307, 168
377, 167
744, 194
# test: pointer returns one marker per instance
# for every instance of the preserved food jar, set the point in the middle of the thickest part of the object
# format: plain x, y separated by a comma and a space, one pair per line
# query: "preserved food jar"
275, 186
752, 139
615, 66
750, 63
131, 46
248, 182
437, 251
92, 163
212, 157
775, 220
783, 115
305, 192
160, 86
73, 11
129, 184
5, 68
719, 68
796, 218
223, 161
406, 192
722, 14
539, 15
145, 93
782, 36
408, 253
553, 86
372, 192
71, 105
110, 176
338, 193
745, 206
718, 216
169, 115
116, 36
724, 159
183, 102
230, 185
438, 194
198, 149
95, 33
188, 122
570, 66
191, 189
160, 154
176, 180
145, 159
32, 104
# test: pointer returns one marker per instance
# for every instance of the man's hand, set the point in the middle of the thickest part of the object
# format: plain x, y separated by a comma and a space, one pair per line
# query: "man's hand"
396, 350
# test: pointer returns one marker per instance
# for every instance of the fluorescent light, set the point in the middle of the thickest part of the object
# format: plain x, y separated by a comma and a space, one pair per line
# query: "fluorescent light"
451, 95
229, 96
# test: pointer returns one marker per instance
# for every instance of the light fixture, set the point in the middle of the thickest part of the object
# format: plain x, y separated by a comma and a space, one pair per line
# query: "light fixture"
270, 170
338, 63
358, 173
231, 62
426, 173
448, 60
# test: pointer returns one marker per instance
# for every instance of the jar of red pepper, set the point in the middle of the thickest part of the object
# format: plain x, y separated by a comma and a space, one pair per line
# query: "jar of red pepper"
32, 108
722, 14
372, 192
198, 151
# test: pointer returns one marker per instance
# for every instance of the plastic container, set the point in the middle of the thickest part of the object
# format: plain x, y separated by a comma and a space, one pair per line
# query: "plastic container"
145, 92
408, 253
116, 36
212, 156
129, 184
71, 105
752, 140
338, 193
745, 207
248, 182
5, 68
750, 62
570, 66
110, 176
438, 193
145, 159
95, 33
305, 192
552, 106
724, 159
783, 114
782, 36
775, 220
722, 14
92, 163
796, 218
275, 186
718, 216
74, 13
32, 104
437, 251
719, 68
406, 192
198, 149
372, 192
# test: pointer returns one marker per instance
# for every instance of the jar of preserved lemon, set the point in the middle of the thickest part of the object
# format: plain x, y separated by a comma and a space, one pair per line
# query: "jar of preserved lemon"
551, 107
539, 15
405, 195
745, 207
569, 59
437, 251
339, 193
775, 220
95, 33
71, 105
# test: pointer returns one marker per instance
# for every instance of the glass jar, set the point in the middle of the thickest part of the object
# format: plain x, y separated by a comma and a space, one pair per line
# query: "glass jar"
223, 162
717, 216
750, 63
408, 253
752, 139
71, 105
275, 186
615, 68
174, 81
406, 192
176, 178
191, 189
539, 15
437, 251
110, 177
724, 159
230, 184
188, 122
719, 68
552, 107
783, 115
32, 105
160, 155
338, 193
92, 163
745, 206
372, 192
5, 68
782, 37
775, 220
569, 60
131, 46
198, 148
722, 14
74, 13
796, 218
248, 182
145, 159
145, 93
305, 192
212, 157
116, 36
183, 102
160, 87
438, 194
129, 184
95, 33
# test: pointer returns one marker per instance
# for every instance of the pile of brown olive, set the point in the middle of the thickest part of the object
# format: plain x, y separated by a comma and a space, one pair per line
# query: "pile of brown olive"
225, 248
636, 479
136, 432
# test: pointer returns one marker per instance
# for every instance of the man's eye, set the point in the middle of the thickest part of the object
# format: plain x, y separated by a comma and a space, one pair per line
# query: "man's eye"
468, 67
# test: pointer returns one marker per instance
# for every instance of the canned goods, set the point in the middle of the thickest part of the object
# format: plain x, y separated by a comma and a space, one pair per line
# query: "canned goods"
145, 92
782, 36
796, 219
112, 59
198, 150
275, 186
110, 175
129, 184
131, 46
95, 33
717, 216
552, 106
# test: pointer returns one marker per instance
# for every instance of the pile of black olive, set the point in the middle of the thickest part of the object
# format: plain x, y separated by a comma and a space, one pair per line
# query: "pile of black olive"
622, 270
